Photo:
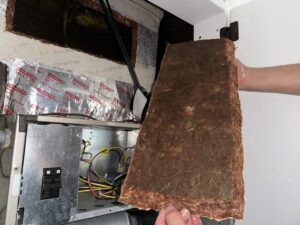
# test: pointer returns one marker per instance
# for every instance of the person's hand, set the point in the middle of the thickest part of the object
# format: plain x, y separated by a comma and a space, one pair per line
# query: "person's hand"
171, 216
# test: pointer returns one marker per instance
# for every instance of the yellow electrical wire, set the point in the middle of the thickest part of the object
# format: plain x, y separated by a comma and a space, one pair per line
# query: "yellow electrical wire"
113, 148
88, 190
105, 189
107, 196
101, 194
95, 184
98, 176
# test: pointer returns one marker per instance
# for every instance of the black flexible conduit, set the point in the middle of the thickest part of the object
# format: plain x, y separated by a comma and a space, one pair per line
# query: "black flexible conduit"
114, 28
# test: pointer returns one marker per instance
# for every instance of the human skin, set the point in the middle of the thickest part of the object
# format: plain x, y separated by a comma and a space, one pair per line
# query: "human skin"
283, 79
172, 216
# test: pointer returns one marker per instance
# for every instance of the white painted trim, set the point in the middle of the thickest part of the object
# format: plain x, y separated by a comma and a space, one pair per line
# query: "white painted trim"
225, 6
236, 3
16, 170
222, 4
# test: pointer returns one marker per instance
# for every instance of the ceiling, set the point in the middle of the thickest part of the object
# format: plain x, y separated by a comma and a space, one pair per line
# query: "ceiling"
196, 11
193, 11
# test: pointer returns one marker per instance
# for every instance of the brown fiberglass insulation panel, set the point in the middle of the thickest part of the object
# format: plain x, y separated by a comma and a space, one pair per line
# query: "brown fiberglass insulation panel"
189, 152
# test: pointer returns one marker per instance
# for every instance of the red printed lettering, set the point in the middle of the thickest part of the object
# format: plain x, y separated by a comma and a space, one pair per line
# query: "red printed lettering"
45, 94
119, 103
93, 99
36, 107
87, 112
62, 110
54, 77
10, 88
70, 96
105, 87
8, 110
80, 84
104, 96
23, 73
50, 87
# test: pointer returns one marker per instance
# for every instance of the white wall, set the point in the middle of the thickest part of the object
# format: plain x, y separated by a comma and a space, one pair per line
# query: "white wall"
269, 35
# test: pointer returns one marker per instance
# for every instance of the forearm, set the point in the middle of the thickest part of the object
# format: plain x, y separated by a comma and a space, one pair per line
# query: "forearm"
279, 79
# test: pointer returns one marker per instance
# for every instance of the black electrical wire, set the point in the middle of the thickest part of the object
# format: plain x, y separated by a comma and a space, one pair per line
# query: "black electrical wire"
67, 115
84, 152
84, 147
120, 153
114, 28
2, 210
1, 164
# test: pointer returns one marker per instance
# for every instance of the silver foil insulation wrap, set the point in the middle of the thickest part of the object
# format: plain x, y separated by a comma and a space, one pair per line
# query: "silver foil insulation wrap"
3, 4
33, 88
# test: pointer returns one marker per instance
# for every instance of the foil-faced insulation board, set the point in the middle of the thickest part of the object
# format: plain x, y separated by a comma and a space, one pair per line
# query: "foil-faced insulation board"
34, 88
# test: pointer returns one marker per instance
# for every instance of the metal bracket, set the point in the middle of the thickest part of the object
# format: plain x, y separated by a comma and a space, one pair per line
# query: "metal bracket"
232, 32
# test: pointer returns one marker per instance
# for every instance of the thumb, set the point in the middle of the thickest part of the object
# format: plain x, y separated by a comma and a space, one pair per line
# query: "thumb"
174, 217
161, 219
186, 215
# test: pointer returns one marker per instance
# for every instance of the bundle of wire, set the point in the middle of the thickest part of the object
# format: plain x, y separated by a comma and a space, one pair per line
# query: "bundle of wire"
98, 186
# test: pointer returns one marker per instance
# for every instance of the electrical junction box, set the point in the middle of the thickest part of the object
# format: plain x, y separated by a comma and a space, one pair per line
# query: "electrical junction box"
51, 183
47, 163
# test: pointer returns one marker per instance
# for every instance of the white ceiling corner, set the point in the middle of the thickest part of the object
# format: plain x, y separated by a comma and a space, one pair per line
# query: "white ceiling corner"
194, 11
236, 3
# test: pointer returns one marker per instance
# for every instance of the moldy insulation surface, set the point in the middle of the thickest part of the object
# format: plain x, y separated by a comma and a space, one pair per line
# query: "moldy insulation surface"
189, 152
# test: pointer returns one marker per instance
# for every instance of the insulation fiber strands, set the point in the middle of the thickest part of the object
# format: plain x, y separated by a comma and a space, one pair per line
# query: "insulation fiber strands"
189, 151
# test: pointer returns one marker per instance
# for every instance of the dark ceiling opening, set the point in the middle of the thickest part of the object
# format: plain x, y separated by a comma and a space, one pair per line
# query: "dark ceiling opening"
77, 24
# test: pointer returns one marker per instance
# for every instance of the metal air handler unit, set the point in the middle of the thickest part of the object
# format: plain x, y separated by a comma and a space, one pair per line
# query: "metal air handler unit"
41, 157
44, 167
